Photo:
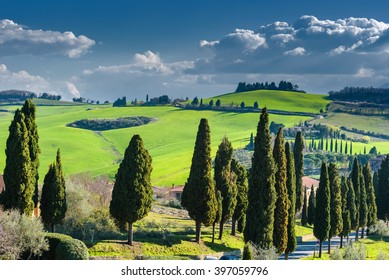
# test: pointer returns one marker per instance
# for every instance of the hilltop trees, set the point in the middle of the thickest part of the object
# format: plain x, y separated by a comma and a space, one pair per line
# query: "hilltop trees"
132, 192
262, 193
53, 202
298, 153
322, 214
280, 233
291, 187
199, 196
241, 198
19, 175
225, 181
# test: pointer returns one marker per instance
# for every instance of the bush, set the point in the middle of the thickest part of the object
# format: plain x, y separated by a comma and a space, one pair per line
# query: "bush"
54, 239
247, 252
71, 249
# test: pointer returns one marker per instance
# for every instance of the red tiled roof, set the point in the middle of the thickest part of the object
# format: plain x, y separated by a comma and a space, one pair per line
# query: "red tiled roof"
309, 182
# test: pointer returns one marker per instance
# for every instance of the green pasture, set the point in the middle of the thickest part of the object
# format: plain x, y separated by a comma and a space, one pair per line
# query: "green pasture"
276, 100
170, 139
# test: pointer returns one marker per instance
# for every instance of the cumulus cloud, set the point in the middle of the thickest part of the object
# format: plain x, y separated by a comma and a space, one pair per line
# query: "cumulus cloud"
72, 89
16, 39
147, 63
307, 46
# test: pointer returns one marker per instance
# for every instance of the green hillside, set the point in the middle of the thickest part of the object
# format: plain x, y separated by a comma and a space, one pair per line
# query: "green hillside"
170, 139
276, 100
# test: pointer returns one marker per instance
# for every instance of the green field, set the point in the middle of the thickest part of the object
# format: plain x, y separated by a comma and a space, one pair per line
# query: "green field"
276, 100
170, 140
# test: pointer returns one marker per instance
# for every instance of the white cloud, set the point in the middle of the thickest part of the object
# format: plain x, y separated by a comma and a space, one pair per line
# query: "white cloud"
16, 39
365, 73
72, 89
296, 51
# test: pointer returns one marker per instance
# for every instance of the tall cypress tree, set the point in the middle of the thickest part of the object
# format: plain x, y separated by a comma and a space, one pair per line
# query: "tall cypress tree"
351, 147
383, 189
280, 233
304, 212
335, 204
19, 185
132, 192
363, 209
298, 153
327, 143
375, 184
291, 187
370, 196
219, 213
322, 224
346, 218
241, 197
225, 181
199, 195
351, 204
346, 148
354, 176
29, 111
53, 202
336, 145
312, 206
262, 194
341, 146
332, 145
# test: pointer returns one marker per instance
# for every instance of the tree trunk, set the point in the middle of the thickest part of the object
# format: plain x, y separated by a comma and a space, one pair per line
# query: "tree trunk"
286, 256
320, 247
198, 231
363, 232
213, 232
233, 227
221, 231
329, 245
130, 234
341, 241
356, 234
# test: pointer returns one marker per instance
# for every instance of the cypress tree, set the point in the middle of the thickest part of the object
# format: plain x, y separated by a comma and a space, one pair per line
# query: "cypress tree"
335, 204
304, 213
29, 111
370, 196
354, 176
336, 145
262, 194
241, 198
346, 149
322, 223
199, 196
19, 184
291, 187
311, 206
247, 252
351, 205
363, 209
280, 233
298, 153
341, 146
225, 181
53, 202
351, 147
332, 145
219, 213
383, 190
345, 211
375, 184
327, 144
132, 192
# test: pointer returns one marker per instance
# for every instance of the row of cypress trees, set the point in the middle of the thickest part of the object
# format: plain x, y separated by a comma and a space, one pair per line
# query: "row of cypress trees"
344, 204
21, 171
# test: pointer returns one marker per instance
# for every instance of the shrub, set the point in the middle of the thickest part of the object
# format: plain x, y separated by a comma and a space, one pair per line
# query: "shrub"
71, 249
247, 252
54, 239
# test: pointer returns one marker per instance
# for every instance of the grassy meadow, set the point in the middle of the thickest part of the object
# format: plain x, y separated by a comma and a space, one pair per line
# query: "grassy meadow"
170, 139
276, 100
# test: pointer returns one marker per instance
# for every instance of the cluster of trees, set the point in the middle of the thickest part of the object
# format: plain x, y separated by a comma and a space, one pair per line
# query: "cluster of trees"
16, 95
195, 102
283, 85
160, 100
48, 96
361, 94
344, 204
211, 200
107, 124
21, 172
120, 102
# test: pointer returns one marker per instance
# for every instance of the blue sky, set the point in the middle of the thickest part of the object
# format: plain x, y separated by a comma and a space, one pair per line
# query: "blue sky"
107, 49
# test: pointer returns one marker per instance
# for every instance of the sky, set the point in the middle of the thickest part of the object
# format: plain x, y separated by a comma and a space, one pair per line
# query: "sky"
103, 50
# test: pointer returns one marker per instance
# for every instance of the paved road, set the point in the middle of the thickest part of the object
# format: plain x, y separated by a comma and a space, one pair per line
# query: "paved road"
307, 248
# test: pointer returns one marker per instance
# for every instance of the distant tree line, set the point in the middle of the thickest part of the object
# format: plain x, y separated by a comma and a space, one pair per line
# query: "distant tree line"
107, 124
361, 94
48, 96
120, 102
283, 85
16, 95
